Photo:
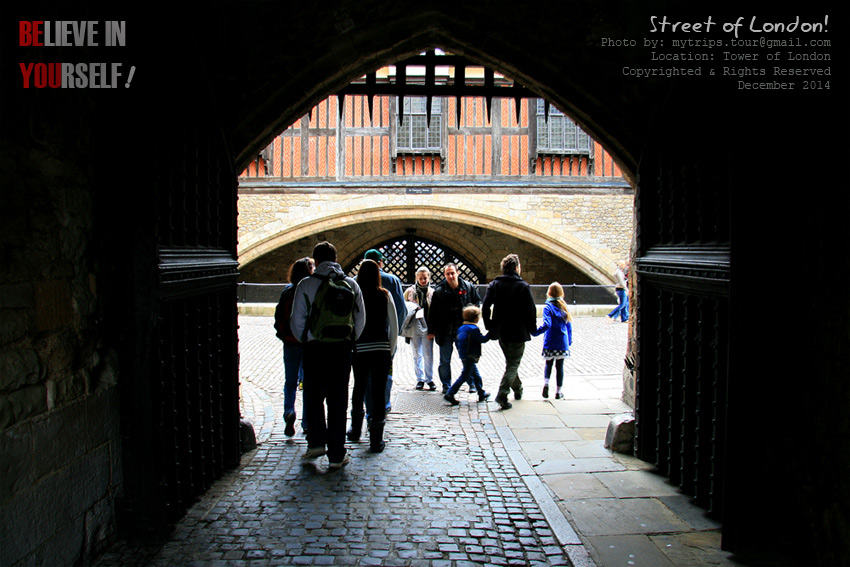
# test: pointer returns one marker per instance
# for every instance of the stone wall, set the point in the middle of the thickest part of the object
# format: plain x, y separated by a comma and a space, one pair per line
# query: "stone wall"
573, 238
59, 436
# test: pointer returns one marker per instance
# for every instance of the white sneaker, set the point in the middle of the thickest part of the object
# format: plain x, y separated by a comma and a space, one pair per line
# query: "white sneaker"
345, 460
315, 453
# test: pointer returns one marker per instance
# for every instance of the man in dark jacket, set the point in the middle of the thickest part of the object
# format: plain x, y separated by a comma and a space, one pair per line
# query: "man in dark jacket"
445, 317
510, 315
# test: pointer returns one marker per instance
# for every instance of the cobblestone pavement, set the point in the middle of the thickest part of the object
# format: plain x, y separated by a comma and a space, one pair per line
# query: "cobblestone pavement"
445, 492
593, 371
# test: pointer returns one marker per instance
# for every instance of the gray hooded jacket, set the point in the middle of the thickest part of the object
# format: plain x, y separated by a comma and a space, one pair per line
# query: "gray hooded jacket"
305, 293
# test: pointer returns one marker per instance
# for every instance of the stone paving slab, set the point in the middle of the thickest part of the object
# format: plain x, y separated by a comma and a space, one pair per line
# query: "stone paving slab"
587, 420
563, 466
629, 551
591, 434
698, 548
634, 484
587, 449
550, 434
536, 451
533, 421
622, 516
696, 518
572, 486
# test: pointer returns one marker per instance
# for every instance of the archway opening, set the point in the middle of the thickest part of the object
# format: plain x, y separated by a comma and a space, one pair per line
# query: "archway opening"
501, 175
479, 248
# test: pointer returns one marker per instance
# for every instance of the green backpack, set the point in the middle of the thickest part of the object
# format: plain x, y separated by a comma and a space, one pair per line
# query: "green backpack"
331, 316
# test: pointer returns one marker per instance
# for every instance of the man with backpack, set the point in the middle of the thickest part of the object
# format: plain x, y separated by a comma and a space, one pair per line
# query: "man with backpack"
328, 315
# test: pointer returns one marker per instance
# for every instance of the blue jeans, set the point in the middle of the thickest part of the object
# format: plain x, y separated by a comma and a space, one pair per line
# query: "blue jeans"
622, 309
468, 374
387, 390
370, 369
293, 355
423, 357
445, 368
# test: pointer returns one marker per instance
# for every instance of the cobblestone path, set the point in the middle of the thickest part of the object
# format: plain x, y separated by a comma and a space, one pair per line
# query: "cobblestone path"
593, 371
444, 492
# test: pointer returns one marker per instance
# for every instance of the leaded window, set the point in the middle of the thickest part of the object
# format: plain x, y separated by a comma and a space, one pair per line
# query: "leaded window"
559, 134
415, 135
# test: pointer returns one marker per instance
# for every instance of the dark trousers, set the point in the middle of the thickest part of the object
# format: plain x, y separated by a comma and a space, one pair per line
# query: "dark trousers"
510, 380
370, 375
327, 367
559, 371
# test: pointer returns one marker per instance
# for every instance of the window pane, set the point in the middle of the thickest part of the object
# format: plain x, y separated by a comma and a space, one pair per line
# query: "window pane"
569, 135
435, 130
560, 133
404, 134
542, 134
556, 127
418, 135
415, 134
583, 140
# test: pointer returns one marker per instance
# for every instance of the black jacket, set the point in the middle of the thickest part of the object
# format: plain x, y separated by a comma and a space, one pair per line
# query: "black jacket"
508, 311
444, 315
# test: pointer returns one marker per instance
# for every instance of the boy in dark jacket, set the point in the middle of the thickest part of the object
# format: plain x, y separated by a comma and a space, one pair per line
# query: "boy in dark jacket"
468, 343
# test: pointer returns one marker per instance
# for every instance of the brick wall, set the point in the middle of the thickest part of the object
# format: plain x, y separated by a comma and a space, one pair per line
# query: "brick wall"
364, 147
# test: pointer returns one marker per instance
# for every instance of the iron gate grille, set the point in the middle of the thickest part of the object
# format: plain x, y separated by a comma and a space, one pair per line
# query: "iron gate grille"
404, 255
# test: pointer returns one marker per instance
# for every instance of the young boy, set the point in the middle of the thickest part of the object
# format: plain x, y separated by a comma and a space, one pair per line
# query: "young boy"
468, 344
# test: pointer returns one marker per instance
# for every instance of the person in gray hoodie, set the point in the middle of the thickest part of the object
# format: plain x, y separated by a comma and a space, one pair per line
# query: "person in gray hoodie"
327, 365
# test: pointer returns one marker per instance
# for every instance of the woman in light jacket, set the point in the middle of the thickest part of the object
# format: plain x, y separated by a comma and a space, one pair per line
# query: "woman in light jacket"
415, 328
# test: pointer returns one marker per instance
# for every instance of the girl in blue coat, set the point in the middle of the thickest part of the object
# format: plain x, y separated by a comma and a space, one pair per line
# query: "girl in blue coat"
558, 326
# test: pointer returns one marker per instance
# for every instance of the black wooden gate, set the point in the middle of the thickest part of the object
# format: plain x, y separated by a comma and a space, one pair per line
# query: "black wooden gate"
195, 388
683, 269
180, 415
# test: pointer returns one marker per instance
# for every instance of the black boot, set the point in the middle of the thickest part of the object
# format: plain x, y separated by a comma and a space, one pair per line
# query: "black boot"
353, 432
376, 437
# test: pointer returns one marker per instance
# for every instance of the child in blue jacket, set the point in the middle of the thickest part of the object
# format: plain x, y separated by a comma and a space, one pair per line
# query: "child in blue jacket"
558, 326
468, 344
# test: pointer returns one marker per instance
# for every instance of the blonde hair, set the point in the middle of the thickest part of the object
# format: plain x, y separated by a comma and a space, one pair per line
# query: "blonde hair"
470, 314
556, 292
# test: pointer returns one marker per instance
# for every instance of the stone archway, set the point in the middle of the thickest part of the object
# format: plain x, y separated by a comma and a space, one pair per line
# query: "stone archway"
594, 263
487, 249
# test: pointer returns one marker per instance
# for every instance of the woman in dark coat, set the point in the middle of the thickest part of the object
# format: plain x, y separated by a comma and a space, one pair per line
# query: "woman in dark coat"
373, 355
